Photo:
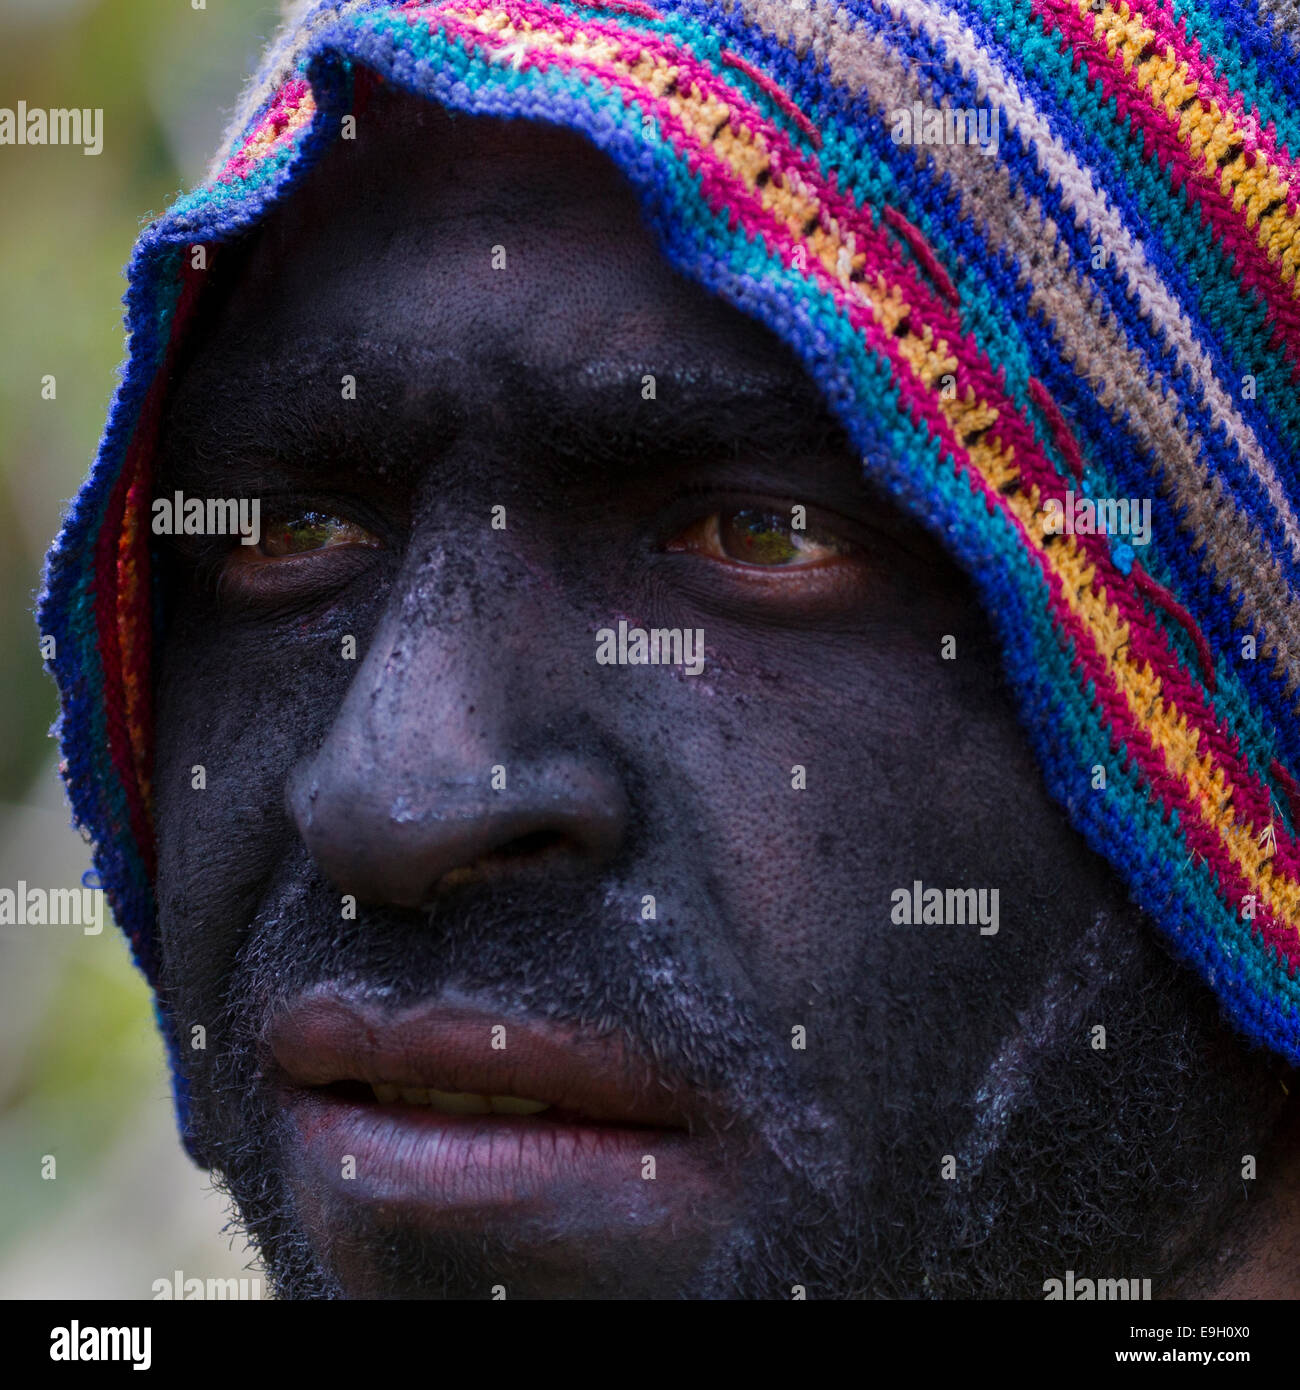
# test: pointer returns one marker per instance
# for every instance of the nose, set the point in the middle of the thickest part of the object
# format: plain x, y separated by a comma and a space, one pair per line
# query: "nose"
435, 772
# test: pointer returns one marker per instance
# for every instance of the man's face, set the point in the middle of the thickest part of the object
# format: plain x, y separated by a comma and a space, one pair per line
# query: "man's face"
485, 420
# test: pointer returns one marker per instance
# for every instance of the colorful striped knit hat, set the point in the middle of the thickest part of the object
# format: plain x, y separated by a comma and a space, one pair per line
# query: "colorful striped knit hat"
1100, 301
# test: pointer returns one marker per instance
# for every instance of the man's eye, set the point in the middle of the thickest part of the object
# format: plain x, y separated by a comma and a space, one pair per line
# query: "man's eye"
762, 538
306, 531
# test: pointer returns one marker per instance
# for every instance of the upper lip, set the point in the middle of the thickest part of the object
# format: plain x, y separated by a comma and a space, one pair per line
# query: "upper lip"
327, 1035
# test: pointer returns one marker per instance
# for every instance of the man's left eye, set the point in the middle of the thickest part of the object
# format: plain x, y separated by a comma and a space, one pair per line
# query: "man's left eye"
302, 532
762, 538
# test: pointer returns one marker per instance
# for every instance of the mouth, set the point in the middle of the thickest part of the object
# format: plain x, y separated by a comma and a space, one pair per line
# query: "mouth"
445, 1102
447, 1114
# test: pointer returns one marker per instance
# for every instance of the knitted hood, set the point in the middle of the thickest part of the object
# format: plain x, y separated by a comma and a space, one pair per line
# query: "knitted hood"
1039, 255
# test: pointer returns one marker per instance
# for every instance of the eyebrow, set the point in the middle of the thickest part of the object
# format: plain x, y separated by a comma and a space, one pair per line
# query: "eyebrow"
238, 418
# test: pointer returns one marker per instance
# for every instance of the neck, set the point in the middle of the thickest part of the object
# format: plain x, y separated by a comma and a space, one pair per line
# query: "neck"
1258, 1255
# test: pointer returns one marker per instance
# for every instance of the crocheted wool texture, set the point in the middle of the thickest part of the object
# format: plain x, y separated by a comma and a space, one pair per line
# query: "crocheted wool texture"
1107, 304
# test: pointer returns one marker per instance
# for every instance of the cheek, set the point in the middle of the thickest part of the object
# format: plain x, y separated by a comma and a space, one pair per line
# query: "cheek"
848, 775
238, 705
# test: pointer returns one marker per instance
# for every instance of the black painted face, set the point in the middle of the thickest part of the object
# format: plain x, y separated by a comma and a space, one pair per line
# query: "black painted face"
662, 903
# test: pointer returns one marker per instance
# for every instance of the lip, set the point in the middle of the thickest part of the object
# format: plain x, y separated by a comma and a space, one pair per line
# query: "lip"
611, 1112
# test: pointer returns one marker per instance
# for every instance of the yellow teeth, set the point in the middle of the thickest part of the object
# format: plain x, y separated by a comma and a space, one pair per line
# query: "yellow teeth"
516, 1105
451, 1102
459, 1102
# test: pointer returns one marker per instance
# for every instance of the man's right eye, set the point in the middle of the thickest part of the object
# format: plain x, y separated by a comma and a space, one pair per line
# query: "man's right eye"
302, 532
300, 556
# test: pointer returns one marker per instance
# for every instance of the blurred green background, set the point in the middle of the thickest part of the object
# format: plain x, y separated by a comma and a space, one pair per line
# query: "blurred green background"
82, 1075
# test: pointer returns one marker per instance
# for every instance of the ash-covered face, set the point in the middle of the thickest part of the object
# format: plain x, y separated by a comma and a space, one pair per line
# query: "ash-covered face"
522, 970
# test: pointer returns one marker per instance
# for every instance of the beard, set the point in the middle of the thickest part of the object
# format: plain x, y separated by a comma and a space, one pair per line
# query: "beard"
870, 1165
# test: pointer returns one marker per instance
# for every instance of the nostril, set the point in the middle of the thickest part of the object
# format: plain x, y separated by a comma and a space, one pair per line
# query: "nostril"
534, 843
552, 846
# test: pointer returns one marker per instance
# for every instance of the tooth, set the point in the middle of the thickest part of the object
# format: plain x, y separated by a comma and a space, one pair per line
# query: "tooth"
459, 1103
414, 1096
385, 1093
516, 1105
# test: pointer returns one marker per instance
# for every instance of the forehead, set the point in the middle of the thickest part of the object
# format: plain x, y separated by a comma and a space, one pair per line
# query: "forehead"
499, 243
